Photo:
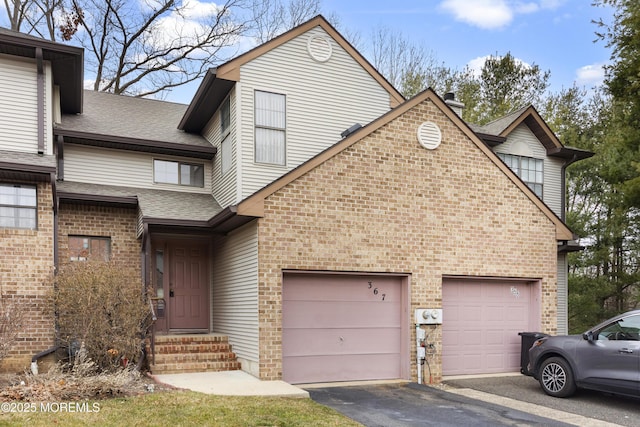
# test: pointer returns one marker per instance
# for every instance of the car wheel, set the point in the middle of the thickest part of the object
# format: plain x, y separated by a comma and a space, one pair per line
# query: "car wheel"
556, 377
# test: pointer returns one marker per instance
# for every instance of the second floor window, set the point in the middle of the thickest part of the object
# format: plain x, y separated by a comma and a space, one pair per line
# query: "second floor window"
530, 170
225, 144
270, 121
171, 172
18, 206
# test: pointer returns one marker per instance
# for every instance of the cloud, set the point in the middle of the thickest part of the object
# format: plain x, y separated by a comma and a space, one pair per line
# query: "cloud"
494, 14
476, 64
590, 75
486, 14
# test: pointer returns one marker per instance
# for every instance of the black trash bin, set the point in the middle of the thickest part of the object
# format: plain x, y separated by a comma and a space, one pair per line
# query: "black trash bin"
528, 338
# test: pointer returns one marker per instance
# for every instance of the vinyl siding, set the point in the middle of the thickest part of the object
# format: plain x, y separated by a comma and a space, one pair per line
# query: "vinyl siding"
322, 100
223, 186
522, 142
563, 292
235, 292
19, 106
95, 165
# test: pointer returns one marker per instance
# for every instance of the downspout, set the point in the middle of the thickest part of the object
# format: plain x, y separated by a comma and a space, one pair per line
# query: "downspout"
40, 88
563, 207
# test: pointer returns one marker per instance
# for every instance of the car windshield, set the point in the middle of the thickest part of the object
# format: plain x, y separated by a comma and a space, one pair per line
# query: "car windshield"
626, 329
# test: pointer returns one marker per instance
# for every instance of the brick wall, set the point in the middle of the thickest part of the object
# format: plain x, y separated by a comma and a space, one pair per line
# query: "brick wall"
25, 273
99, 221
388, 205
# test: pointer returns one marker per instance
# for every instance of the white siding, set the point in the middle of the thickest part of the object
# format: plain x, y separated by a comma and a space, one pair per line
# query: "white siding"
522, 142
235, 293
322, 100
563, 292
105, 166
19, 106
223, 186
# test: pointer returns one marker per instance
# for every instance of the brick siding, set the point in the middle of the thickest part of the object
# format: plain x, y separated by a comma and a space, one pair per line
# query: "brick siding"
25, 277
386, 204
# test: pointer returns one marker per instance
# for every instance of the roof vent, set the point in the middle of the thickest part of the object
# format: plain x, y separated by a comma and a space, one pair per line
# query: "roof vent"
351, 130
429, 135
319, 48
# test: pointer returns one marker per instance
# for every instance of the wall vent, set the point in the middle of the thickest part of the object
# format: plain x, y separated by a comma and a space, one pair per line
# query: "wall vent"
319, 48
429, 135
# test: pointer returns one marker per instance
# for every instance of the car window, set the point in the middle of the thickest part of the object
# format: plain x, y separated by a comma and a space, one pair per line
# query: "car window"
627, 329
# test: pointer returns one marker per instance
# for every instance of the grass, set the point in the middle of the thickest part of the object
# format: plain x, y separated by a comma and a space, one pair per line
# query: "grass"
186, 408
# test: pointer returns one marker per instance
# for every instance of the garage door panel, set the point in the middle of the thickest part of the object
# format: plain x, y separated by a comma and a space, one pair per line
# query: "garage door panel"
305, 342
481, 321
336, 314
336, 328
335, 288
340, 368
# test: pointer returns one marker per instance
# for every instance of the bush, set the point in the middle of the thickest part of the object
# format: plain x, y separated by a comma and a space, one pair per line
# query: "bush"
100, 307
12, 322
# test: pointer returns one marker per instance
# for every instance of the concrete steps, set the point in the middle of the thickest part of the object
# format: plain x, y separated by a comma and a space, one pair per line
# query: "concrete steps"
176, 354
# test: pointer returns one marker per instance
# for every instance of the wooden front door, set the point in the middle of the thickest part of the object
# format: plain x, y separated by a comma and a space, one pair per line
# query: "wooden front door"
188, 286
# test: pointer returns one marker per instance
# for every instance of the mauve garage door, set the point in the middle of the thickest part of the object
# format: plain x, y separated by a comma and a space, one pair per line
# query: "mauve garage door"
341, 327
481, 322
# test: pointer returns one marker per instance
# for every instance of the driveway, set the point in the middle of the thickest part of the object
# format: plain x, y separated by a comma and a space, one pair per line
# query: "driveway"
410, 404
591, 404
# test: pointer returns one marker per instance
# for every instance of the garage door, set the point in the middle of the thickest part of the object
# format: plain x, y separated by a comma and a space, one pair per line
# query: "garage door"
341, 327
481, 321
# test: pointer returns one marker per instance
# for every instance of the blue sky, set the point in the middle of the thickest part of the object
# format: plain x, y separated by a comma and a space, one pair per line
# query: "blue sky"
557, 35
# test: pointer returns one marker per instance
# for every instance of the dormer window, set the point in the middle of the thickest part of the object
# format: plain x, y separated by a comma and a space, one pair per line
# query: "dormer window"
530, 170
270, 121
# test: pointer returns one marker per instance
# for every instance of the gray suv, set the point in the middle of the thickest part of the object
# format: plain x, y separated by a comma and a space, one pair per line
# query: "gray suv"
605, 358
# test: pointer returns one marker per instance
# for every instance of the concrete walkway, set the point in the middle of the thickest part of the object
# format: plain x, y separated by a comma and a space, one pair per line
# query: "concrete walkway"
230, 383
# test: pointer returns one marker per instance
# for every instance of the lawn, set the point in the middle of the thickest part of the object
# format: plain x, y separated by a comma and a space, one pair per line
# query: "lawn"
182, 408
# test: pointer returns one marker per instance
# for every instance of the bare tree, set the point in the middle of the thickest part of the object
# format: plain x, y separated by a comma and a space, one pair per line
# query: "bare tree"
273, 17
33, 16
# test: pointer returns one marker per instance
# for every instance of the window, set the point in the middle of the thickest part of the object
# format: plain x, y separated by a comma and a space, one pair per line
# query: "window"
270, 128
170, 172
82, 248
225, 145
626, 329
530, 170
18, 206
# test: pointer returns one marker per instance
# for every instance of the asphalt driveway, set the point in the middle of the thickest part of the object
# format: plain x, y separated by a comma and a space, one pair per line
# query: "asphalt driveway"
590, 404
409, 404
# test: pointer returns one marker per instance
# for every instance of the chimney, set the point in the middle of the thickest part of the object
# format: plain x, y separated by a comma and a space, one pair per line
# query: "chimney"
456, 106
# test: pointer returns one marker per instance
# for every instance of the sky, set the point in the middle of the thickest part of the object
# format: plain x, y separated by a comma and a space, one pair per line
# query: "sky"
556, 35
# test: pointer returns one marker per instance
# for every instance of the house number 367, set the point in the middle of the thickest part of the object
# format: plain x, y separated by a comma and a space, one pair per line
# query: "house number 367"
376, 291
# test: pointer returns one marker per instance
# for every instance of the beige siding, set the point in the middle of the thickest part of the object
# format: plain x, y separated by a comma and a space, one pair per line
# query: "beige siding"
522, 142
223, 186
322, 100
19, 106
235, 293
563, 292
95, 165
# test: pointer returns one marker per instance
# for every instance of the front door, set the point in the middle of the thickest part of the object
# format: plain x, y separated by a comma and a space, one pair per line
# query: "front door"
188, 302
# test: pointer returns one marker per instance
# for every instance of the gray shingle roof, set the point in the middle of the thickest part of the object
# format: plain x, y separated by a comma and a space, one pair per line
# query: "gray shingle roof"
497, 126
159, 204
30, 159
130, 117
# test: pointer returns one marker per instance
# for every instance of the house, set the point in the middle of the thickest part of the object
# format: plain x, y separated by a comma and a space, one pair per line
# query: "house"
298, 208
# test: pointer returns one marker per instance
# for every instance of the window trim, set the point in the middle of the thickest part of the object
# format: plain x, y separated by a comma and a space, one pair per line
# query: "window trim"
256, 127
33, 208
180, 164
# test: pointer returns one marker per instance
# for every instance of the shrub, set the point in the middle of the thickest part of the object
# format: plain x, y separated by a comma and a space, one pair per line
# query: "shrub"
12, 322
100, 307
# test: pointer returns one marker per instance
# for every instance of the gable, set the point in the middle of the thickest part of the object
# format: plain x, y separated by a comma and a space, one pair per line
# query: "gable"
464, 162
